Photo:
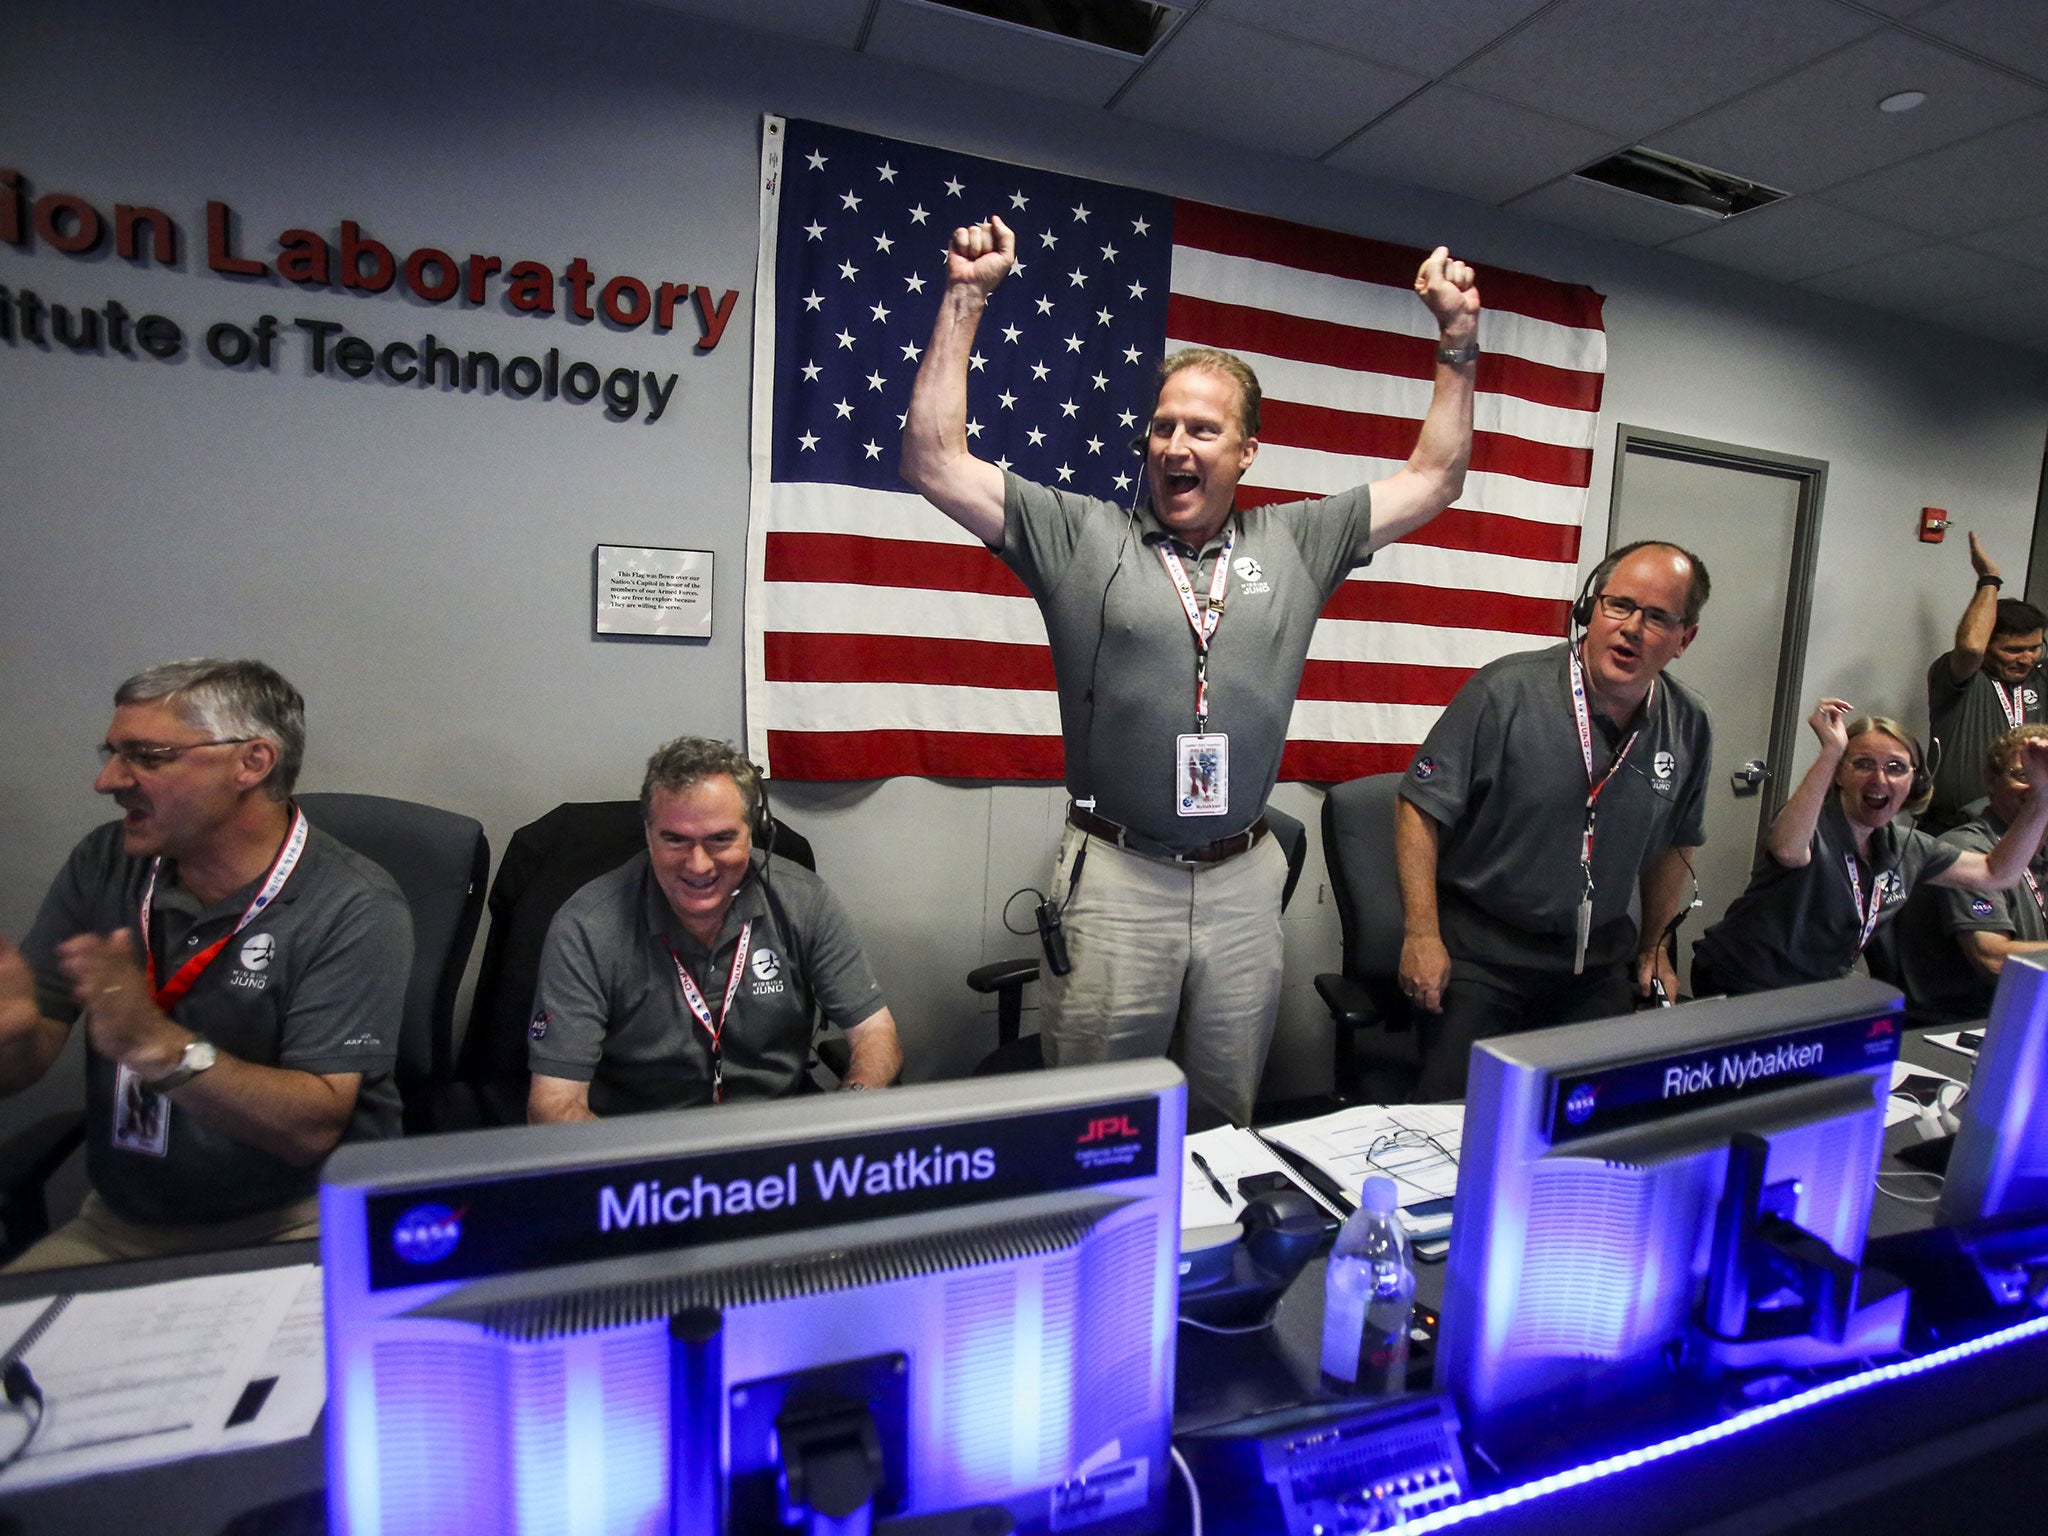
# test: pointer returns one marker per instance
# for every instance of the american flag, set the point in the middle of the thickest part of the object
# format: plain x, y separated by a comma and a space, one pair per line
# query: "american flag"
882, 639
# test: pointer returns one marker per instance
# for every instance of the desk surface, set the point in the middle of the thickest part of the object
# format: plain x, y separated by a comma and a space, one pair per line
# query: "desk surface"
1221, 1379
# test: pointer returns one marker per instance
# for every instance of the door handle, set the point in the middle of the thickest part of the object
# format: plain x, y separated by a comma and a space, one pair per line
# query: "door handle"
1749, 778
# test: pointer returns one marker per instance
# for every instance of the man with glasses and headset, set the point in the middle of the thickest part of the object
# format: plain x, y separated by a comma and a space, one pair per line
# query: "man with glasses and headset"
1556, 784
241, 975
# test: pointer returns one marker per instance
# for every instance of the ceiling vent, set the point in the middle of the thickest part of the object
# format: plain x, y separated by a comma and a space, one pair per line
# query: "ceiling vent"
1127, 26
1679, 183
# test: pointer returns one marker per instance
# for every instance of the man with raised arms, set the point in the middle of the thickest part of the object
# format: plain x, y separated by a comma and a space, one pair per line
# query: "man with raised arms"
1990, 683
1179, 630
241, 976
693, 973
1555, 786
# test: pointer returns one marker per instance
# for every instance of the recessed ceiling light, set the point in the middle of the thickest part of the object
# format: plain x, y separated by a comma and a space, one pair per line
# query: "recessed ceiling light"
1902, 101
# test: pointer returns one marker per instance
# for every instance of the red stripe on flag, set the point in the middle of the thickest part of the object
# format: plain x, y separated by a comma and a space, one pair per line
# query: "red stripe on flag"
862, 561
1484, 533
1381, 682
1329, 430
931, 754
790, 657
1285, 244
1395, 602
1332, 762
1357, 349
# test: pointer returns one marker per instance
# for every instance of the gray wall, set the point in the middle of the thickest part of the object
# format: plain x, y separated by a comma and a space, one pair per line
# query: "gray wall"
420, 564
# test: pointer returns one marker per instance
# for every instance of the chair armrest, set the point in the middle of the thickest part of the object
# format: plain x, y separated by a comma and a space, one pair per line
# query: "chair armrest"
836, 1052
1347, 999
998, 974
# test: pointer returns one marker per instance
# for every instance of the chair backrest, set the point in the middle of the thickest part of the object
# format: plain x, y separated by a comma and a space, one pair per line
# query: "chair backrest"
1293, 839
1358, 843
546, 862
440, 860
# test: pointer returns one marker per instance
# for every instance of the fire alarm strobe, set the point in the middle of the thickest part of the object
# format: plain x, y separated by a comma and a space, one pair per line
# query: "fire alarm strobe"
1933, 524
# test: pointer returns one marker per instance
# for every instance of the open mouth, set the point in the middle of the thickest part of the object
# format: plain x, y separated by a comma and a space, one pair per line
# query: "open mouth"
1876, 800
1179, 484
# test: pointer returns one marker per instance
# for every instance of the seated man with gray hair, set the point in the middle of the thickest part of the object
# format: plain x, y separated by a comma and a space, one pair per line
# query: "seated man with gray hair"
241, 976
693, 972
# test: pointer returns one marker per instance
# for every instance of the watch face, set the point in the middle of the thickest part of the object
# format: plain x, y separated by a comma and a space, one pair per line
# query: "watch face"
199, 1055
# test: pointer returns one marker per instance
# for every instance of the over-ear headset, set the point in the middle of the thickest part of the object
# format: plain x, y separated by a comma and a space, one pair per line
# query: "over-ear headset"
1582, 606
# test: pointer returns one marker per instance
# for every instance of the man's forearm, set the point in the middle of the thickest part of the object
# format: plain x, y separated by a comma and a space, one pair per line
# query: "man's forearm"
877, 1053
297, 1117
1664, 889
1415, 860
1973, 632
935, 430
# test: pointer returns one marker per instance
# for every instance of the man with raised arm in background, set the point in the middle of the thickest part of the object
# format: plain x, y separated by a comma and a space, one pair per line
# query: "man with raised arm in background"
1179, 629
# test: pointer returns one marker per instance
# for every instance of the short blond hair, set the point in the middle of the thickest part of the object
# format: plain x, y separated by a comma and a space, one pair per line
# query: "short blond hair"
2005, 750
1923, 781
1227, 365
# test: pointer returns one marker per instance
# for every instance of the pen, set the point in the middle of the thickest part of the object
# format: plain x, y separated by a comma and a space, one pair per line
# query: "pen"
1209, 1173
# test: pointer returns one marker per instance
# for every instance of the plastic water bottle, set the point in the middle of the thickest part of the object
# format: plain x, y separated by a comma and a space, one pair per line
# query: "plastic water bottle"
1368, 1293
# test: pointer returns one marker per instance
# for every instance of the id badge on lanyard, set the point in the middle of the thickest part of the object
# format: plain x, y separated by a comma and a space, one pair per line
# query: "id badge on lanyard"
2012, 705
1201, 770
1583, 927
142, 1119
702, 1010
1880, 887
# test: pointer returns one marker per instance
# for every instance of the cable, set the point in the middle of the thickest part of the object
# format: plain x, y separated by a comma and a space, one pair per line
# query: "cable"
1194, 1493
1912, 1173
1259, 1327
1022, 933
21, 1389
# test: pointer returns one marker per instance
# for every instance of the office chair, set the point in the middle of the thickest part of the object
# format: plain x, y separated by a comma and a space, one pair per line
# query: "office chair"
1365, 1001
546, 862
439, 860
1006, 979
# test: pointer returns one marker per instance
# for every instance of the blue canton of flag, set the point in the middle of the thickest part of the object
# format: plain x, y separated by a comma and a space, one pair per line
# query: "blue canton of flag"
1062, 376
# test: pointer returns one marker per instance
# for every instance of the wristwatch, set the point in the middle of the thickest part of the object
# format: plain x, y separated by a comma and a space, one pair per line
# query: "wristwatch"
192, 1061
1990, 581
1458, 355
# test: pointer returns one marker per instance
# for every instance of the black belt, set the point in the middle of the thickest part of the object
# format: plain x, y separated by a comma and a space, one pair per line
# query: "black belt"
1209, 853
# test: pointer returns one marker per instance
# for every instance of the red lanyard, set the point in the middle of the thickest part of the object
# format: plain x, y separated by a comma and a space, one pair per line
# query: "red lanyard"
702, 1009
173, 991
1880, 885
1593, 790
2035, 886
2013, 705
1202, 623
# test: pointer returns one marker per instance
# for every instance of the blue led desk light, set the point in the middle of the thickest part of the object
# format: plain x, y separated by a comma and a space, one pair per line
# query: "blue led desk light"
909, 1306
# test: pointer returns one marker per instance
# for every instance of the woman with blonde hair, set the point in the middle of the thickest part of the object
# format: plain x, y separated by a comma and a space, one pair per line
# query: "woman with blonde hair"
1835, 867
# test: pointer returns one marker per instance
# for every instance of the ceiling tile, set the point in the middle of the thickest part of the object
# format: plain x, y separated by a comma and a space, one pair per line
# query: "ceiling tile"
2025, 242
1931, 277
2014, 32
1412, 34
1631, 68
972, 48
1229, 82
1796, 238
1604, 211
1992, 179
1821, 125
818, 21
1472, 145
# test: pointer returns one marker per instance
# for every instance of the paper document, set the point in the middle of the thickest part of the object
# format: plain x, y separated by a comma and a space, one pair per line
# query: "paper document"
1914, 1089
162, 1372
1415, 1145
1229, 1154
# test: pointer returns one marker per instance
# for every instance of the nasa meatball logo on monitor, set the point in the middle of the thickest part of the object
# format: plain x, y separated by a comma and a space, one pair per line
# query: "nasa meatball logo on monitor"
426, 1234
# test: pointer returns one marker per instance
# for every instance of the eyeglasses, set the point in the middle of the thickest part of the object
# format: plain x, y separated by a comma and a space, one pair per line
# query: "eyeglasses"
1891, 767
150, 759
1655, 620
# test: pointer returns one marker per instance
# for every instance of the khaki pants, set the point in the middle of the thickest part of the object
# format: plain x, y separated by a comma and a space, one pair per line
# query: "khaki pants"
1155, 945
98, 1236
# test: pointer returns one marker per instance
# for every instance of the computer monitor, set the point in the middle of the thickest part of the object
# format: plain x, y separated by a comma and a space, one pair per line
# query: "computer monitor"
1999, 1163
944, 1299
1591, 1182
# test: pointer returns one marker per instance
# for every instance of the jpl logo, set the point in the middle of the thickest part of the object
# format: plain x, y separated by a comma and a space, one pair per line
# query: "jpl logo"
426, 1234
1107, 1126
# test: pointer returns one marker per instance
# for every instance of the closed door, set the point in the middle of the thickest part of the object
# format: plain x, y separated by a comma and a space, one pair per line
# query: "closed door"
1742, 516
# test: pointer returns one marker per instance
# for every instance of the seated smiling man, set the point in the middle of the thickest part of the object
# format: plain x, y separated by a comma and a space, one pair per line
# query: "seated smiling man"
241, 976
691, 974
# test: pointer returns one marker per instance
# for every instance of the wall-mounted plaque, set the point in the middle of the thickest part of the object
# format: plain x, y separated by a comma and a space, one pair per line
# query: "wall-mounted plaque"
663, 592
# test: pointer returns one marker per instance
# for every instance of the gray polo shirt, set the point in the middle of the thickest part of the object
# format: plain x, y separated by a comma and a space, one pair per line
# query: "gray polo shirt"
316, 982
1117, 627
1502, 775
1939, 979
1964, 719
1798, 925
609, 1011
